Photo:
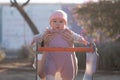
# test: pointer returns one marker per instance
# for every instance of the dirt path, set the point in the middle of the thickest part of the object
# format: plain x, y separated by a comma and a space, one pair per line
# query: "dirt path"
22, 70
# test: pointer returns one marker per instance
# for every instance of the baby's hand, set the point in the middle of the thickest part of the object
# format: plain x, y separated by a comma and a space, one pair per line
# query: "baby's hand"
93, 45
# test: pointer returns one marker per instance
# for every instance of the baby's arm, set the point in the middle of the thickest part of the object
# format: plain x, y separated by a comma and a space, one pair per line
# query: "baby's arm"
79, 39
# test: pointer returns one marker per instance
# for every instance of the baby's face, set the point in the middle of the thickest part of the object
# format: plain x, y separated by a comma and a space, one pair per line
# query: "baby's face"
58, 24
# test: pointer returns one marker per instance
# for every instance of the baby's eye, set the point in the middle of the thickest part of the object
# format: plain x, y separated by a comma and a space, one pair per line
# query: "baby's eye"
54, 21
61, 21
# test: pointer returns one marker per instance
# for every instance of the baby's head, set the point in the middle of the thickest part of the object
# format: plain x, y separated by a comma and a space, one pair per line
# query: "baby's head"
59, 14
58, 20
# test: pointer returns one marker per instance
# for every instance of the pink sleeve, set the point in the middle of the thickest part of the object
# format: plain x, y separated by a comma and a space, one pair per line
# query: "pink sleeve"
37, 38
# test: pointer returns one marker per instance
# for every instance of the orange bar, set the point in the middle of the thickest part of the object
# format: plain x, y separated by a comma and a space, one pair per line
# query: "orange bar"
55, 49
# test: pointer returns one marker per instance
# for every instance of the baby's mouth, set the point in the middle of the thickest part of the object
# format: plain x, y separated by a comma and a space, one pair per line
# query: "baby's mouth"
58, 27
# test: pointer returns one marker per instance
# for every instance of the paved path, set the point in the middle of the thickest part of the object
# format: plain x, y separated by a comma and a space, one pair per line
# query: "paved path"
18, 70
30, 75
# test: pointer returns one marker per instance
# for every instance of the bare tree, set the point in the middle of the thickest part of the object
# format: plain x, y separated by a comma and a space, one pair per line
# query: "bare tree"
24, 14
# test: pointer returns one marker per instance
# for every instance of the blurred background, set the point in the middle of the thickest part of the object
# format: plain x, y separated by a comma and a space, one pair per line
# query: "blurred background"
96, 20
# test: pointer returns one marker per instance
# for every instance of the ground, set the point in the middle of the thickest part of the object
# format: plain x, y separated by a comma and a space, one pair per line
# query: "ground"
21, 69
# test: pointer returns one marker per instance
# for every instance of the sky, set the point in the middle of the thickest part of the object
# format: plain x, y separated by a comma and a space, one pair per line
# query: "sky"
49, 1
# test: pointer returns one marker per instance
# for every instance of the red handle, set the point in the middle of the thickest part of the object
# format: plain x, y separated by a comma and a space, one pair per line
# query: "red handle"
59, 49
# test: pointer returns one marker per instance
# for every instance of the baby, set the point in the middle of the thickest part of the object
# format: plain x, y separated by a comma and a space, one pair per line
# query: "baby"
59, 35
